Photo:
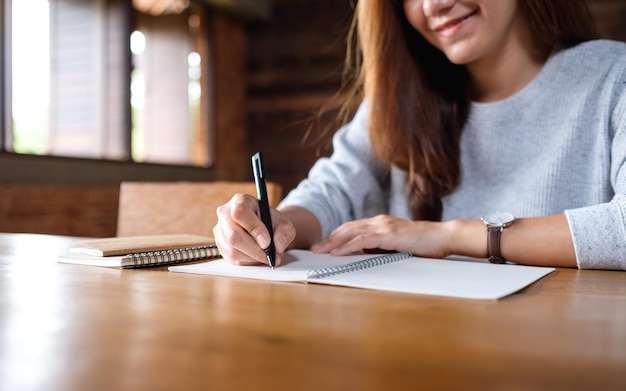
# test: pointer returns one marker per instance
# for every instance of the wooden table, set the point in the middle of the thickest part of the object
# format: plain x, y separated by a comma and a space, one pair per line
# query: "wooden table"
69, 327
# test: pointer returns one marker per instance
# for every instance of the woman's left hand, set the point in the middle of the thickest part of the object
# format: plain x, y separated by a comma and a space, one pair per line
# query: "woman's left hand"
422, 238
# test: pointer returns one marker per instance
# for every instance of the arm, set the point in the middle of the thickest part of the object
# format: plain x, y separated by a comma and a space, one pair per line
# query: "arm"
534, 241
540, 241
351, 184
307, 227
599, 231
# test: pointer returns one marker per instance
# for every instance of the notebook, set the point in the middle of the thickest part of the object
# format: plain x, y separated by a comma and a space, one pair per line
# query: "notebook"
398, 272
141, 251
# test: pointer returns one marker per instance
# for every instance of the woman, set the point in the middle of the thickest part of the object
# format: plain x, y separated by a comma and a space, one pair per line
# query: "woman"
469, 107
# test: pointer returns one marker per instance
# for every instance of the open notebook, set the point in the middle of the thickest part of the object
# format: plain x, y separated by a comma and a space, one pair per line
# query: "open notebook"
399, 272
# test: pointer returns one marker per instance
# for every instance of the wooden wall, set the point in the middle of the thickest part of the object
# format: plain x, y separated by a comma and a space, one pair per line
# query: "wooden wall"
295, 62
75, 210
610, 18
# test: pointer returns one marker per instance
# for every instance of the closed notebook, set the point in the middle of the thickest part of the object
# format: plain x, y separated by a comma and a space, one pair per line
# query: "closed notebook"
399, 272
141, 251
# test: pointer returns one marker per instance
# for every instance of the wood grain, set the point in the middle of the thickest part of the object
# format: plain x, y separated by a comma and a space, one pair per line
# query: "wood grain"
85, 327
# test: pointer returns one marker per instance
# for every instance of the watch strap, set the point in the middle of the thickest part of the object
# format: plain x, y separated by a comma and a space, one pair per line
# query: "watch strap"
493, 244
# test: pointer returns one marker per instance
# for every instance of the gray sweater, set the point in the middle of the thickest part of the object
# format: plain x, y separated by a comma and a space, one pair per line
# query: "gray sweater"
556, 146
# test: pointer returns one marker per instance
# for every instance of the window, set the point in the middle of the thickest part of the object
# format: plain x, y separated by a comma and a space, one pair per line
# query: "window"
105, 79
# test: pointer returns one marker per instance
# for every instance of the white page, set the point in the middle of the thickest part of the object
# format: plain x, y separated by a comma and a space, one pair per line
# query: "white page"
295, 266
471, 280
453, 278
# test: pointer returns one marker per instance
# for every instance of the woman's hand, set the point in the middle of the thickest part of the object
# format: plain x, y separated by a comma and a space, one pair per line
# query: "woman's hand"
423, 238
242, 237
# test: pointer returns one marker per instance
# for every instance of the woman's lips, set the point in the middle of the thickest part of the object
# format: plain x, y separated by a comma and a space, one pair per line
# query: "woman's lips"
449, 28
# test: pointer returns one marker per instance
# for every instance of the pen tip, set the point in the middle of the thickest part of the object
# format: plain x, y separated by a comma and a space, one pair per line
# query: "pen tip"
271, 260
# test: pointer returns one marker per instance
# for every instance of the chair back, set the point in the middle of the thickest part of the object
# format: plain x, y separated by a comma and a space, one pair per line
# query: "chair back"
154, 208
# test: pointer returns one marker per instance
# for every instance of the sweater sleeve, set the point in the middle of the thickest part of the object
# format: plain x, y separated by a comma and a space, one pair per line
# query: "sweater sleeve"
599, 231
599, 234
348, 185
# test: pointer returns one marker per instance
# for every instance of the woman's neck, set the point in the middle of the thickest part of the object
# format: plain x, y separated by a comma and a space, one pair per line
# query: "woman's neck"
506, 72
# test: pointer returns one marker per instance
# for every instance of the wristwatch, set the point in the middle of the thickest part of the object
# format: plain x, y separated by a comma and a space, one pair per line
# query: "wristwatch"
495, 223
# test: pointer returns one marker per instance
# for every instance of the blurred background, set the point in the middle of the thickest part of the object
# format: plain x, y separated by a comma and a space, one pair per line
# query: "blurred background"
96, 92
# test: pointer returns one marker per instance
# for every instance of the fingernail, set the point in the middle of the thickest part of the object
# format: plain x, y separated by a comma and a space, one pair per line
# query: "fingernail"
280, 242
263, 240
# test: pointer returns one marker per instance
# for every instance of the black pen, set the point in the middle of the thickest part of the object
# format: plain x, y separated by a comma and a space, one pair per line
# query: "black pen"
264, 206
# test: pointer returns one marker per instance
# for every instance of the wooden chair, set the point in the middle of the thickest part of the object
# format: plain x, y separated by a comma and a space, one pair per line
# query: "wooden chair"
152, 208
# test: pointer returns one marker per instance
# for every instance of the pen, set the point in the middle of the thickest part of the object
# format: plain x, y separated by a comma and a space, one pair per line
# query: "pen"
264, 206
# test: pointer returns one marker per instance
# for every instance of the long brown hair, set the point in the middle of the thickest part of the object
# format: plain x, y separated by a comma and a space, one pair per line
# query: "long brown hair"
417, 99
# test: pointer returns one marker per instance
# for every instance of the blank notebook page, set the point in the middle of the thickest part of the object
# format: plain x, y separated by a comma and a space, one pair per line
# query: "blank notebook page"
453, 278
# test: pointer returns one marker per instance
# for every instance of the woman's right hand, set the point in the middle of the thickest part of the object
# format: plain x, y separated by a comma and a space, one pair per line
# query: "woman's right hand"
242, 237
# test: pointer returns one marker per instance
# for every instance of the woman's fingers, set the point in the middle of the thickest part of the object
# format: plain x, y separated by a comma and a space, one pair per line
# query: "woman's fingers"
385, 233
242, 237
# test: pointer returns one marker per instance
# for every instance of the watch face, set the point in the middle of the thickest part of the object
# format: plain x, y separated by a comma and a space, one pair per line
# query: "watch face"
498, 219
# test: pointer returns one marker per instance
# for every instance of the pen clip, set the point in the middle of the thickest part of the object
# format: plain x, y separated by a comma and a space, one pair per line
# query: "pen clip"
257, 166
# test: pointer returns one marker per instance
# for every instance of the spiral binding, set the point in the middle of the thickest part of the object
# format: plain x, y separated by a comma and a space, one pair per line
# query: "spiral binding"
358, 265
173, 256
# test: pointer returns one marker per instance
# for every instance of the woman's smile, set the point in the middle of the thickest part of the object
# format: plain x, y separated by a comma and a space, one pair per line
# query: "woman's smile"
467, 31
447, 29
